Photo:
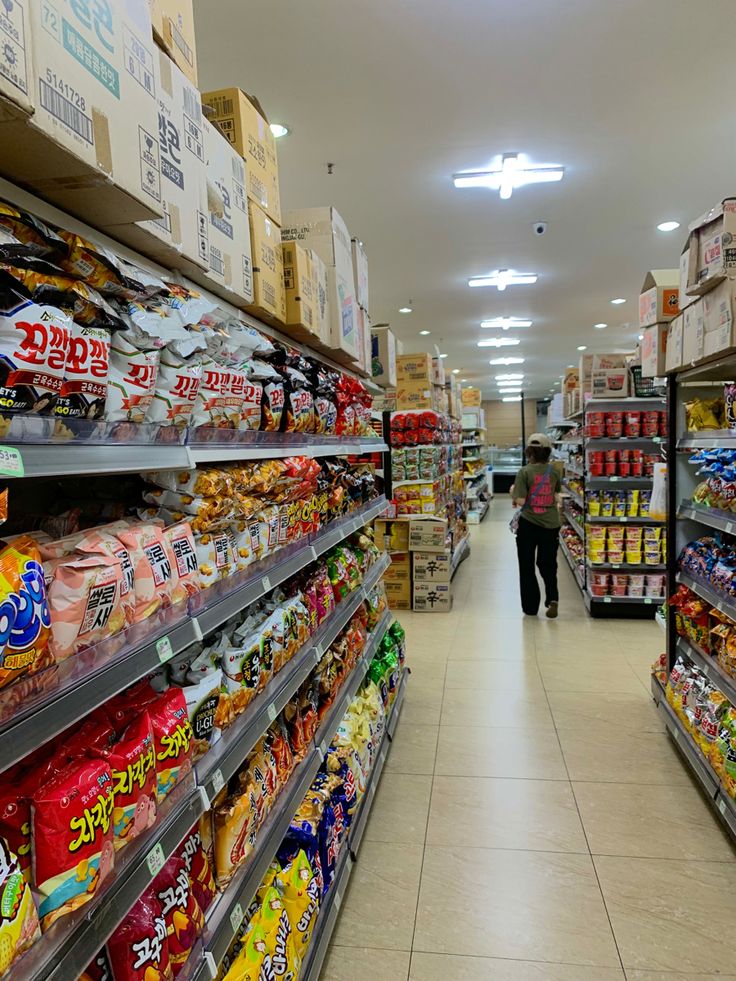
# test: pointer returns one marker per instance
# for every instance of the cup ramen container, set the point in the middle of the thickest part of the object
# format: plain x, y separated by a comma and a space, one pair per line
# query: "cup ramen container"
633, 556
615, 555
596, 533
619, 505
606, 509
652, 556
624, 469
650, 423
611, 456
664, 423
625, 455
595, 418
635, 590
594, 505
652, 533
619, 584
637, 580
632, 503
599, 584
596, 469
614, 430
637, 468
597, 556
611, 469
655, 585
633, 537
596, 456
632, 424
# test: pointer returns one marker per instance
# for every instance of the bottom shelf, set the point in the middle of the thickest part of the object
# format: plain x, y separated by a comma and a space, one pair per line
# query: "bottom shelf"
632, 607
701, 768
462, 551
574, 566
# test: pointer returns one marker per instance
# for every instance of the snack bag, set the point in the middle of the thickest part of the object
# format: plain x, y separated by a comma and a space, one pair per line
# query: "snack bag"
274, 920
194, 856
139, 948
72, 835
216, 406
132, 761
215, 558
172, 733
99, 968
300, 894
152, 567
182, 914
19, 927
131, 380
203, 699
179, 539
26, 619
85, 600
103, 541
84, 389
254, 962
177, 388
235, 827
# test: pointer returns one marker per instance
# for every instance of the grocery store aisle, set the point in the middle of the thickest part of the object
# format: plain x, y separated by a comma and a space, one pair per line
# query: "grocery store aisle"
534, 822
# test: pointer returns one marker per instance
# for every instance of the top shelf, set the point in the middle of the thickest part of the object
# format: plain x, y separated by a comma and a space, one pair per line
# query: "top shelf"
593, 405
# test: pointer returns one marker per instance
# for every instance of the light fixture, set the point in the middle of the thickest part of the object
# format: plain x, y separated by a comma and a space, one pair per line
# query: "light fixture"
511, 398
582, 347
463, 380
278, 130
505, 323
502, 278
405, 310
506, 361
424, 333
618, 301
571, 366
509, 378
443, 355
513, 171
500, 342
668, 226
641, 337
509, 389
600, 326
456, 371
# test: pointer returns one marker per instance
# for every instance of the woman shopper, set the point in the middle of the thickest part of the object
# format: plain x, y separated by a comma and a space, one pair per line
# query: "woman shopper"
536, 491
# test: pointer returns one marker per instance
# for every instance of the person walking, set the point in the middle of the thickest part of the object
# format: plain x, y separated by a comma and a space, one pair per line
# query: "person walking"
536, 491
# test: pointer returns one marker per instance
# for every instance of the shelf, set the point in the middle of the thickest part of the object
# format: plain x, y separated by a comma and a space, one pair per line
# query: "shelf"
682, 739
625, 600
602, 482
481, 514
573, 495
623, 567
574, 566
471, 477
643, 404
471, 446
708, 440
626, 440
462, 551
722, 603
622, 521
711, 517
576, 471
573, 419
263, 446
568, 442
661, 621
55, 699
709, 666
575, 525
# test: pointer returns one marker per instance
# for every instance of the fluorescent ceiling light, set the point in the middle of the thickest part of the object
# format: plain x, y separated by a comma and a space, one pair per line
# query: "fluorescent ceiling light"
571, 366
508, 378
278, 130
463, 380
618, 301
582, 347
506, 361
424, 333
510, 390
505, 323
641, 337
511, 398
502, 278
443, 355
600, 326
512, 172
500, 342
456, 371
668, 226
405, 310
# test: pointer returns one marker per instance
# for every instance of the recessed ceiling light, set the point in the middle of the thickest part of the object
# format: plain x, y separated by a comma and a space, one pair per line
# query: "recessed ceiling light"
405, 310
508, 378
600, 326
424, 333
456, 371
582, 347
641, 337
618, 301
502, 278
571, 366
278, 130
513, 172
506, 361
500, 342
668, 226
443, 355
463, 380
511, 398
505, 323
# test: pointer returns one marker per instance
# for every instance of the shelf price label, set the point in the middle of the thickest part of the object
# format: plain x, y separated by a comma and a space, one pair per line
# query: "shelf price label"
722, 806
271, 712
218, 781
11, 462
155, 860
729, 528
236, 917
164, 650
266, 583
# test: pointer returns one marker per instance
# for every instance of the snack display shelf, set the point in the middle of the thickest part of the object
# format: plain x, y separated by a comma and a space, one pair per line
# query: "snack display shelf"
571, 420
575, 471
69, 691
595, 519
573, 495
623, 567
602, 482
65, 950
261, 447
474, 476
622, 600
709, 667
574, 524
632, 404
471, 446
485, 508
682, 739
568, 442
222, 761
709, 439
721, 602
462, 551
712, 517
574, 566
612, 441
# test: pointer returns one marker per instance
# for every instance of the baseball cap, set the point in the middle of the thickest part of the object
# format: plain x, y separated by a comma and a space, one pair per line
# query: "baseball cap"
539, 439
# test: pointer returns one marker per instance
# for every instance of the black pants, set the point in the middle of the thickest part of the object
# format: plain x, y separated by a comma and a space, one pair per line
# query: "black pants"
540, 544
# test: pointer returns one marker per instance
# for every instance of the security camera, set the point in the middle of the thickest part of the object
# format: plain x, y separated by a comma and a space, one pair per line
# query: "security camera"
540, 227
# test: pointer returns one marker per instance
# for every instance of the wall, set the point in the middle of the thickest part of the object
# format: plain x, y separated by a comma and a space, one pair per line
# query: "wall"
503, 421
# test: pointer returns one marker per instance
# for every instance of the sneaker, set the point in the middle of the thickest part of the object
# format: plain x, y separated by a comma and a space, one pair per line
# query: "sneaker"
552, 610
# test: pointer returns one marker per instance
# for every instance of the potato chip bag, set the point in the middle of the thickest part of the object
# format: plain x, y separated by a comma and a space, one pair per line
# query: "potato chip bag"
19, 928
235, 827
132, 761
278, 933
17, 785
300, 895
152, 567
172, 734
25, 618
99, 968
254, 962
215, 558
184, 919
177, 388
72, 837
139, 948
85, 600
179, 539
131, 380
103, 541
84, 388
193, 853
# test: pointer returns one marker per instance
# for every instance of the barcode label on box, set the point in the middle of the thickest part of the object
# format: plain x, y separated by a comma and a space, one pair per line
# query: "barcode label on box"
66, 112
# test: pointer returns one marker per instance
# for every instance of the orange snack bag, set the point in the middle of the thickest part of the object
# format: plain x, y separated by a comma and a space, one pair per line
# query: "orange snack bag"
86, 602
24, 612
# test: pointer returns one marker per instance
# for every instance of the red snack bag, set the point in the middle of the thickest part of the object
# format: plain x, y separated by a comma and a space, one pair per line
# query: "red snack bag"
180, 540
139, 948
132, 760
198, 866
183, 916
172, 733
99, 969
72, 836
95, 735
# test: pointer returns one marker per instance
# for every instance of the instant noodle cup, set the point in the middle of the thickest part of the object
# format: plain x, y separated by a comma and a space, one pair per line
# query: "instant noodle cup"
172, 733
72, 834
132, 761
650, 423
611, 456
632, 503
644, 500
652, 533
619, 504
25, 617
600, 584
624, 468
655, 585
615, 555
614, 424
139, 948
182, 914
596, 469
607, 506
619, 585
594, 504
633, 556
611, 469
632, 424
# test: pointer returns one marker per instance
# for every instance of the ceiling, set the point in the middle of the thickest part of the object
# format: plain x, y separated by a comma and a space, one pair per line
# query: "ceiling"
631, 96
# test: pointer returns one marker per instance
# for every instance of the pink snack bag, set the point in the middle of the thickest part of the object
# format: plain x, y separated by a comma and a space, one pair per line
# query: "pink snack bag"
103, 541
179, 539
153, 571
85, 600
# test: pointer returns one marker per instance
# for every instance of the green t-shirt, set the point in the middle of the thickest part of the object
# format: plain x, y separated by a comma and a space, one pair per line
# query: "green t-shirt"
544, 481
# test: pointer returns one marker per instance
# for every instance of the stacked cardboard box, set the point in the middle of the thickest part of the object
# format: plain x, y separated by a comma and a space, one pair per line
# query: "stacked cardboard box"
659, 304
393, 537
416, 387
431, 567
173, 29
609, 376
472, 398
362, 294
383, 356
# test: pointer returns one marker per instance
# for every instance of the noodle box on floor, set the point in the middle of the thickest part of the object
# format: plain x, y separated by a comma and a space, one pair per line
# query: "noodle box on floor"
427, 535
398, 594
432, 597
432, 566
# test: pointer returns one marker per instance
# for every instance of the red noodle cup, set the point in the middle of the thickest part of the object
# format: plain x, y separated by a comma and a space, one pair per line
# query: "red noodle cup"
650, 423
663, 423
635, 591
637, 456
637, 469
611, 469
611, 456
596, 431
596, 418
624, 469
632, 424
625, 455
595, 469
598, 589
596, 456
615, 425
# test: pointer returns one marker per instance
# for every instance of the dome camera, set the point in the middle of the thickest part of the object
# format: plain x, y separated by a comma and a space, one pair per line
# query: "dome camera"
540, 227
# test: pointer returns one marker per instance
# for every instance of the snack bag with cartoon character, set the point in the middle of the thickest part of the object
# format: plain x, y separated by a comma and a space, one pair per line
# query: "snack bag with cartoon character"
139, 948
132, 760
18, 918
299, 891
195, 858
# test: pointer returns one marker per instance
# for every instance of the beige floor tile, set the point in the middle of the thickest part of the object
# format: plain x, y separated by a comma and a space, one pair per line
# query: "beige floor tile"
621, 710
667, 976
604, 755
646, 821
414, 749
499, 709
538, 815
365, 964
666, 914
400, 809
450, 967
488, 752
378, 908
513, 904
493, 638
583, 674
427, 670
423, 702
495, 675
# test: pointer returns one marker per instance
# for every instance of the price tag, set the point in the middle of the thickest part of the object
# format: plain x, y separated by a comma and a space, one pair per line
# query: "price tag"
164, 650
648, 601
338, 900
272, 713
11, 462
236, 917
218, 781
320, 753
266, 583
606, 599
675, 734
729, 528
722, 806
155, 860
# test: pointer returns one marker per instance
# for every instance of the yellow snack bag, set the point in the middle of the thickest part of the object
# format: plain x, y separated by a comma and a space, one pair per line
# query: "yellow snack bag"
274, 920
254, 961
300, 894
19, 927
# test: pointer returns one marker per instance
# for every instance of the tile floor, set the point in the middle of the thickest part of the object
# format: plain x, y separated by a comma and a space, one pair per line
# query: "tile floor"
533, 822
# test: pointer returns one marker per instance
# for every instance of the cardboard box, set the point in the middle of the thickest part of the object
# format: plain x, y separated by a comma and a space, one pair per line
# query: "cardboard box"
688, 272
385, 403
323, 230
712, 240
269, 296
608, 362
363, 361
610, 384
414, 368
432, 566
414, 395
659, 300
229, 271
16, 94
398, 595
360, 274
428, 535
693, 333
299, 287
400, 568
391, 536
673, 357
321, 299
585, 370
572, 380
438, 371
719, 333
173, 27
91, 146
472, 397
182, 233
242, 120
432, 597
653, 351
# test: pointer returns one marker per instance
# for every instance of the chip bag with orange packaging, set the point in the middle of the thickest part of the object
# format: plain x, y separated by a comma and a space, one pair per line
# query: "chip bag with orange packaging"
139, 948
72, 837
152, 568
19, 927
24, 612
182, 913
